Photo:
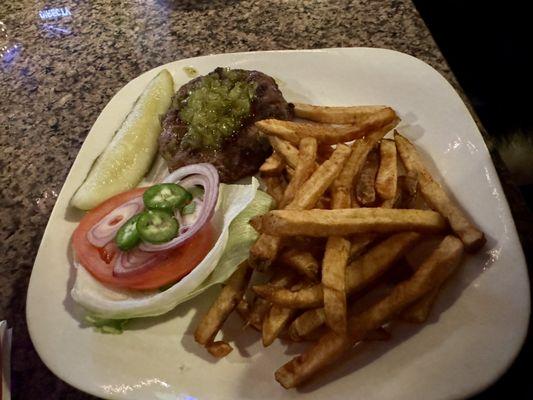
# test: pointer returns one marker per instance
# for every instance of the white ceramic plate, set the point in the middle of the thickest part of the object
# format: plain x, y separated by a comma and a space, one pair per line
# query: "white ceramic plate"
473, 335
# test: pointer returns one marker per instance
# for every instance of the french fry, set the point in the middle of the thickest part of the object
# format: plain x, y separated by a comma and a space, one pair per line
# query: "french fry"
224, 304
321, 223
243, 309
336, 115
301, 261
334, 282
304, 169
276, 320
365, 189
439, 266
437, 198
330, 134
285, 150
275, 187
219, 349
379, 334
406, 191
272, 166
313, 189
266, 248
280, 278
419, 311
387, 176
306, 323
359, 274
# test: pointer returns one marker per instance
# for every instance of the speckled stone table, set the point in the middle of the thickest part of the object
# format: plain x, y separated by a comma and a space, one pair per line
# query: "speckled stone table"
60, 63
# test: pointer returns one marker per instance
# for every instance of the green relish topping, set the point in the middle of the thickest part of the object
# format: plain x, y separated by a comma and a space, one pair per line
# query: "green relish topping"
216, 109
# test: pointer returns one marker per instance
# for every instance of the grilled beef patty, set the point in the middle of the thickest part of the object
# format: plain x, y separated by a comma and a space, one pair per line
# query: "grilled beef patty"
240, 154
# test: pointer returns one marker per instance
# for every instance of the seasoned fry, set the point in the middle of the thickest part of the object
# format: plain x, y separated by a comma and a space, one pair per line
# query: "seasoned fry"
359, 274
219, 349
437, 198
307, 323
275, 187
273, 165
334, 282
387, 177
442, 262
276, 320
335, 115
301, 261
419, 311
224, 304
320, 223
264, 251
365, 189
311, 191
304, 169
266, 248
330, 134
286, 150
280, 278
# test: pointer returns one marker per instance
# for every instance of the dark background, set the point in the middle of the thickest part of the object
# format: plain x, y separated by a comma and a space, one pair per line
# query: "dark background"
488, 47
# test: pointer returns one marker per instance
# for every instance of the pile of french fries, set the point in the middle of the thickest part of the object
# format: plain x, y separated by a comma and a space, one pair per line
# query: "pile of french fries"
333, 255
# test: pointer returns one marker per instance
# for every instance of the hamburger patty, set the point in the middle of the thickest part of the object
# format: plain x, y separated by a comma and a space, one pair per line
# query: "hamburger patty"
238, 155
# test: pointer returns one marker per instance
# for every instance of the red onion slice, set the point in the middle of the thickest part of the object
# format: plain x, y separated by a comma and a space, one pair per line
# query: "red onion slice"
135, 261
196, 174
105, 230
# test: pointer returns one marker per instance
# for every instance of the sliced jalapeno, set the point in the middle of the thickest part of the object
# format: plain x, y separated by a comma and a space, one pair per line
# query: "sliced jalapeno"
166, 196
157, 226
127, 236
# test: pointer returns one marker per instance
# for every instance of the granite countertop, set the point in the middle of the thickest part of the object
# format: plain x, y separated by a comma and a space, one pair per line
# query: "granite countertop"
64, 60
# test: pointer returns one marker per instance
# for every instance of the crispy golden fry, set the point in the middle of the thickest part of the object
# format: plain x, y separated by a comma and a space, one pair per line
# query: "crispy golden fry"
321, 223
275, 187
285, 150
419, 311
304, 169
313, 189
301, 261
219, 349
308, 322
336, 115
442, 262
330, 134
266, 248
224, 304
280, 278
387, 177
334, 282
365, 189
359, 274
264, 251
437, 198
359, 243
274, 322
273, 165
309, 297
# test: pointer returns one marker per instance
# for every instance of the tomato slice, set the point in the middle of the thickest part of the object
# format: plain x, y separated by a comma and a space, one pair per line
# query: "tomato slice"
99, 261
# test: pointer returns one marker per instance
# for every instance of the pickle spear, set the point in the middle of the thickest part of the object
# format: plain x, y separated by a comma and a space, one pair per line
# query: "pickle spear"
129, 155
